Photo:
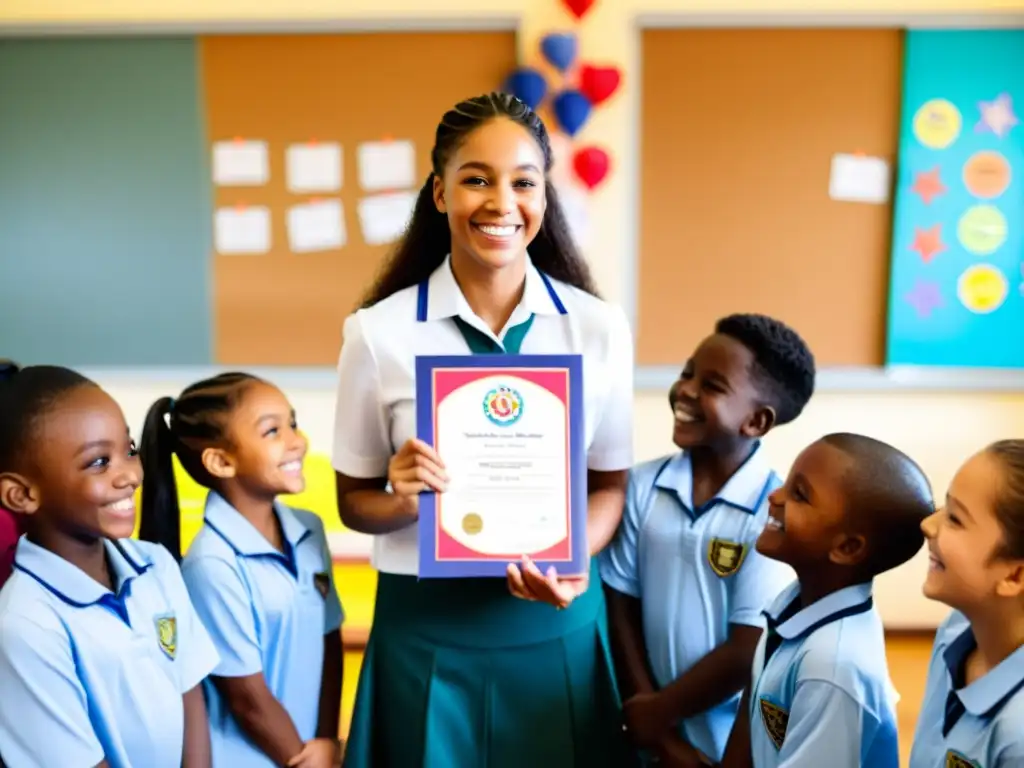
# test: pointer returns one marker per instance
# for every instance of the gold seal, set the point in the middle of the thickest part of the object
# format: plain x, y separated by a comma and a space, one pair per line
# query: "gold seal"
472, 523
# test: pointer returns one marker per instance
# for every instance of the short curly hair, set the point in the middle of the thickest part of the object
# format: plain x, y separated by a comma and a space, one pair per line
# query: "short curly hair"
783, 364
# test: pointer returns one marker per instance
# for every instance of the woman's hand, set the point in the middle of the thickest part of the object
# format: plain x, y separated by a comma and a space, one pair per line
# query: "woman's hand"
414, 469
528, 583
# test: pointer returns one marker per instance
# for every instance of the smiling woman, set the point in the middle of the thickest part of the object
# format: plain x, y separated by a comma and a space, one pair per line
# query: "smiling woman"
480, 671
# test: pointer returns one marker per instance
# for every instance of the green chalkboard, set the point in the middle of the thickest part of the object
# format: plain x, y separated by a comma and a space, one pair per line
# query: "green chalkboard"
104, 203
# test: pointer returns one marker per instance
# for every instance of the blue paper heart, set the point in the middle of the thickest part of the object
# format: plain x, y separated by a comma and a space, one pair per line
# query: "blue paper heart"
559, 48
527, 85
572, 109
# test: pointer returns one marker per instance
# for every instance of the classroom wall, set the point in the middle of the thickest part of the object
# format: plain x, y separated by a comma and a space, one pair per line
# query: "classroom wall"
938, 429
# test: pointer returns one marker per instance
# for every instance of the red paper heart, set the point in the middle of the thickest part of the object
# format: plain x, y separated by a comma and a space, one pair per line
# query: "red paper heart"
599, 83
578, 8
591, 165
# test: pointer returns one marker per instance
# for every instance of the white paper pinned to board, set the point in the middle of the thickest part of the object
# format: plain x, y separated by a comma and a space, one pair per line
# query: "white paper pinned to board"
859, 179
383, 218
240, 163
314, 167
316, 226
242, 230
387, 165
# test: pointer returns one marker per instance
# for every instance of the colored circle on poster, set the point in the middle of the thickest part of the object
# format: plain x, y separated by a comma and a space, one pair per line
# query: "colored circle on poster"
982, 229
937, 123
986, 174
982, 288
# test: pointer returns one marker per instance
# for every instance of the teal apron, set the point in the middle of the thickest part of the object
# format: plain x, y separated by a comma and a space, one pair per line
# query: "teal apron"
458, 673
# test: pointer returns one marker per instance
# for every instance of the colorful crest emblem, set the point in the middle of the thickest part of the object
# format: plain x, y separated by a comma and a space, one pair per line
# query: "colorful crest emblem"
725, 557
955, 760
775, 720
503, 406
167, 634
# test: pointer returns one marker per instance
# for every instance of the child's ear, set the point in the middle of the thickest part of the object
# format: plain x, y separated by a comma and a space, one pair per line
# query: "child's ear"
439, 194
851, 550
760, 421
17, 494
218, 463
1012, 584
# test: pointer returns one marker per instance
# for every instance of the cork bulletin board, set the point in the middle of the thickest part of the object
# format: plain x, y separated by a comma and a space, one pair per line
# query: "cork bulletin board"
738, 129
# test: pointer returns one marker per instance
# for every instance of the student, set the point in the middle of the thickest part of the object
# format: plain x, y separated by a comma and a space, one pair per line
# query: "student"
973, 709
685, 587
851, 509
10, 525
101, 653
459, 671
259, 572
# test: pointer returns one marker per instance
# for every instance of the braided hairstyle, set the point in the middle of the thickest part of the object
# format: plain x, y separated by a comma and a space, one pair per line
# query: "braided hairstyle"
26, 396
427, 241
183, 427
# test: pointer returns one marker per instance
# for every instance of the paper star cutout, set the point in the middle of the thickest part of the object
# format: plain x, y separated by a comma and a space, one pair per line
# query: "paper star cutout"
997, 116
925, 297
928, 185
928, 242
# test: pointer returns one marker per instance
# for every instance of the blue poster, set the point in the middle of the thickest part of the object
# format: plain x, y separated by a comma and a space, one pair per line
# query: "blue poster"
956, 295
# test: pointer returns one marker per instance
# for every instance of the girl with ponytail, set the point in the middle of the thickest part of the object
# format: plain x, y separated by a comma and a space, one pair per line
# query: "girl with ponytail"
258, 572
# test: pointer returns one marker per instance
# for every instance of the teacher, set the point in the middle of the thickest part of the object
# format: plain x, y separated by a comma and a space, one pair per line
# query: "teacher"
480, 673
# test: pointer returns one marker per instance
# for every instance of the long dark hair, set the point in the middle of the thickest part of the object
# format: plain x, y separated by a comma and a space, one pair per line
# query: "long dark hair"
184, 428
428, 240
1010, 500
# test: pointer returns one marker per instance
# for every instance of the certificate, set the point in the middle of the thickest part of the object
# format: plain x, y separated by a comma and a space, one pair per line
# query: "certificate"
509, 429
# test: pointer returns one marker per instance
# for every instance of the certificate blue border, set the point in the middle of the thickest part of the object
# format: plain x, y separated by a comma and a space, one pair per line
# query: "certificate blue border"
429, 566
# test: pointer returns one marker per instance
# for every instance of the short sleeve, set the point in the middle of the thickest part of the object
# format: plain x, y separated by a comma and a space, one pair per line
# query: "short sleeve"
618, 561
334, 613
757, 583
197, 657
44, 715
612, 446
826, 728
225, 608
362, 447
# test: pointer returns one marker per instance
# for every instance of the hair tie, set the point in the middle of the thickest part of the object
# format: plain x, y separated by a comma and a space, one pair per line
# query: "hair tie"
170, 407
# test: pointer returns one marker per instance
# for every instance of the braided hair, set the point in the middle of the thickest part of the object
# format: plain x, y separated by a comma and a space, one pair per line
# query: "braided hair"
427, 241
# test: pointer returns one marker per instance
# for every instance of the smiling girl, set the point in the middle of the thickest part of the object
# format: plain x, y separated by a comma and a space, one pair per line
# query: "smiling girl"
259, 572
974, 700
480, 672
101, 653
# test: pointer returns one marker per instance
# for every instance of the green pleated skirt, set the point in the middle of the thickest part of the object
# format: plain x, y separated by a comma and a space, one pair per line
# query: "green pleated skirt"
460, 674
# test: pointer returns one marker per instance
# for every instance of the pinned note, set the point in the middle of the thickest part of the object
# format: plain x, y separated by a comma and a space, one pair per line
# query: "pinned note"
316, 226
857, 178
387, 165
314, 167
242, 230
384, 218
240, 163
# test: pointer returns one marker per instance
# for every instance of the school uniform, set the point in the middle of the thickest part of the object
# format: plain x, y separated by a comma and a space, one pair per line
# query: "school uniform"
695, 571
458, 671
821, 693
969, 726
267, 612
87, 674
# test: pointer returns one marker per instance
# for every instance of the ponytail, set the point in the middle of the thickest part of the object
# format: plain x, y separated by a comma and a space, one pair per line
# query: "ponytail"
161, 515
422, 249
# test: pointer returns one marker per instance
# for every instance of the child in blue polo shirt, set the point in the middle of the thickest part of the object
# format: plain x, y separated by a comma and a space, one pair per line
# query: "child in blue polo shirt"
101, 653
259, 572
973, 709
685, 587
820, 694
